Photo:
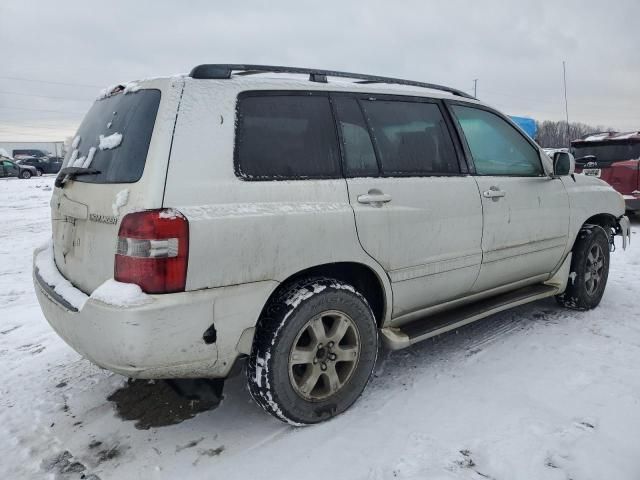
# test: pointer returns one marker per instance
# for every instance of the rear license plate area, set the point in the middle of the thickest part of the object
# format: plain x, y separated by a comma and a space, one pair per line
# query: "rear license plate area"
592, 172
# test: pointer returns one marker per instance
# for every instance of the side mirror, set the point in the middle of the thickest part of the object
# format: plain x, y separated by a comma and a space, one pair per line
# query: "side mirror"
563, 164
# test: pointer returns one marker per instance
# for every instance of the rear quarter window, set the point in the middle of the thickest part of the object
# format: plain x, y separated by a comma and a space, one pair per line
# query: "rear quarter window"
130, 115
284, 137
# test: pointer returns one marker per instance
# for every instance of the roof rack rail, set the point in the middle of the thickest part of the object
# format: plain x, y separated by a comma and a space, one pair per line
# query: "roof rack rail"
223, 71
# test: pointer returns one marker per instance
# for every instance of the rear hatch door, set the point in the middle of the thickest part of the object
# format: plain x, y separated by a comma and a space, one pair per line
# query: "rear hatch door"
126, 136
615, 162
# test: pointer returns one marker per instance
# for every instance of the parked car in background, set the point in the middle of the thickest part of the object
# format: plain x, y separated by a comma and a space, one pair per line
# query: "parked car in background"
9, 168
41, 164
332, 215
615, 158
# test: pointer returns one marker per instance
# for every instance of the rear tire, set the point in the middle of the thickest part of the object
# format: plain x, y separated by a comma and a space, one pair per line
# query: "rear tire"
315, 348
39, 172
26, 174
589, 270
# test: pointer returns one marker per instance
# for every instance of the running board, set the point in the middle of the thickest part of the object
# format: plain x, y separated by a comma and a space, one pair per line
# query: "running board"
397, 338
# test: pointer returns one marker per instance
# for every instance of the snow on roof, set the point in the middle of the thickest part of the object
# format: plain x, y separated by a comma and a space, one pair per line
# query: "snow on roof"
597, 137
624, 136
292, 81
105, 92
610, 136
131, 87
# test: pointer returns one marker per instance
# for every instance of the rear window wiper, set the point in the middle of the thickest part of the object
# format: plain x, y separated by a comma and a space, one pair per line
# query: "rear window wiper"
69, 173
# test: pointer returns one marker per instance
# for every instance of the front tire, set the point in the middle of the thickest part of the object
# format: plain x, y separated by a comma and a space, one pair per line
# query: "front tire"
26, 174
315, 349
589, 270
39, 173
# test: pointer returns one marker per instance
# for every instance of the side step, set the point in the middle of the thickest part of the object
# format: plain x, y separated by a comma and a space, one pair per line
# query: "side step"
396, 338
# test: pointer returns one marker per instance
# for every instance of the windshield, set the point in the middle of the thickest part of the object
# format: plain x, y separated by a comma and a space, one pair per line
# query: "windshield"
114, 137
611, 152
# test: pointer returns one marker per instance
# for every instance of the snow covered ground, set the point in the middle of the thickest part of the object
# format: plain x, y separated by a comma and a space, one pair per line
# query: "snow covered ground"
534, 393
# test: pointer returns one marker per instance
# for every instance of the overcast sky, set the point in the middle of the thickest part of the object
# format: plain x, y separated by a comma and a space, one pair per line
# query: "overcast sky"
514, 49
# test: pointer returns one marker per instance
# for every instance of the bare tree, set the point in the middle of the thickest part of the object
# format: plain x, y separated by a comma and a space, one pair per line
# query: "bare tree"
554, 134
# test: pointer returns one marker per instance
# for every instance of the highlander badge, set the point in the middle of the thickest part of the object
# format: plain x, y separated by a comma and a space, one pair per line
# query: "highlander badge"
96, 217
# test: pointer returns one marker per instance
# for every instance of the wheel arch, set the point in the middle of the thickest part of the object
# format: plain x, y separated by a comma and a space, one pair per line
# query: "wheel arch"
604, 220
607, 221
375, 288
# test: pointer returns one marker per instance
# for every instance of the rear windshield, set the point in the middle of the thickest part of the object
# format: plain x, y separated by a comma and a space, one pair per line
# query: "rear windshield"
613, 152
114, 137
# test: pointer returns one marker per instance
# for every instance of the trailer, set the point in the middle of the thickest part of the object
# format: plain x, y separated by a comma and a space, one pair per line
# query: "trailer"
528, 125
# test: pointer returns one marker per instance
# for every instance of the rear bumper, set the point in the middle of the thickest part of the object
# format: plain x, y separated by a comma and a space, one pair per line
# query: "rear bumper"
163, 338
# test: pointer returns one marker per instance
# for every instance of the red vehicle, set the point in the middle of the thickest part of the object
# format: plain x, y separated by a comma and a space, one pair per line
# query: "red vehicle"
615, 158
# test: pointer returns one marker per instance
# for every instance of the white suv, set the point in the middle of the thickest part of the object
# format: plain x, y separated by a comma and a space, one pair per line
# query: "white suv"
295, 216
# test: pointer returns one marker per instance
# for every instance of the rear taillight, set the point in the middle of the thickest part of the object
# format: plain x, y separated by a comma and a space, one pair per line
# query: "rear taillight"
153, 249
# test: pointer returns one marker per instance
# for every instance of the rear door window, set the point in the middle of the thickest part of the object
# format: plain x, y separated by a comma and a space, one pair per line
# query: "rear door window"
114, 137
283, 137
411, 137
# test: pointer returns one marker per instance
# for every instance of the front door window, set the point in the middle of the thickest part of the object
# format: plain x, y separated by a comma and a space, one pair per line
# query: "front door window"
496, 146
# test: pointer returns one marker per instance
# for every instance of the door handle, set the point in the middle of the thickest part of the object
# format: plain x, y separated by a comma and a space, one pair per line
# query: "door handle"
494, 192
374, 197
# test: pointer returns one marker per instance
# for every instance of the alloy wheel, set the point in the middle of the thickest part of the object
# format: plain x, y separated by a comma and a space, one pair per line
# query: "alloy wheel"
324, 355
594, 269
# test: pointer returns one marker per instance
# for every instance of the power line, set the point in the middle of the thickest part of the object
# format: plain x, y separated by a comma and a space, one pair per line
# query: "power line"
52, 83
551, 100
19, 125
36, 123
20, 128
558, 112
27, 123
45, 96
43, 110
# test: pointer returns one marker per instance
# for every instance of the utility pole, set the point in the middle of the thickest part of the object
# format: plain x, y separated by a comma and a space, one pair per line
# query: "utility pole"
566, 105
475, 87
